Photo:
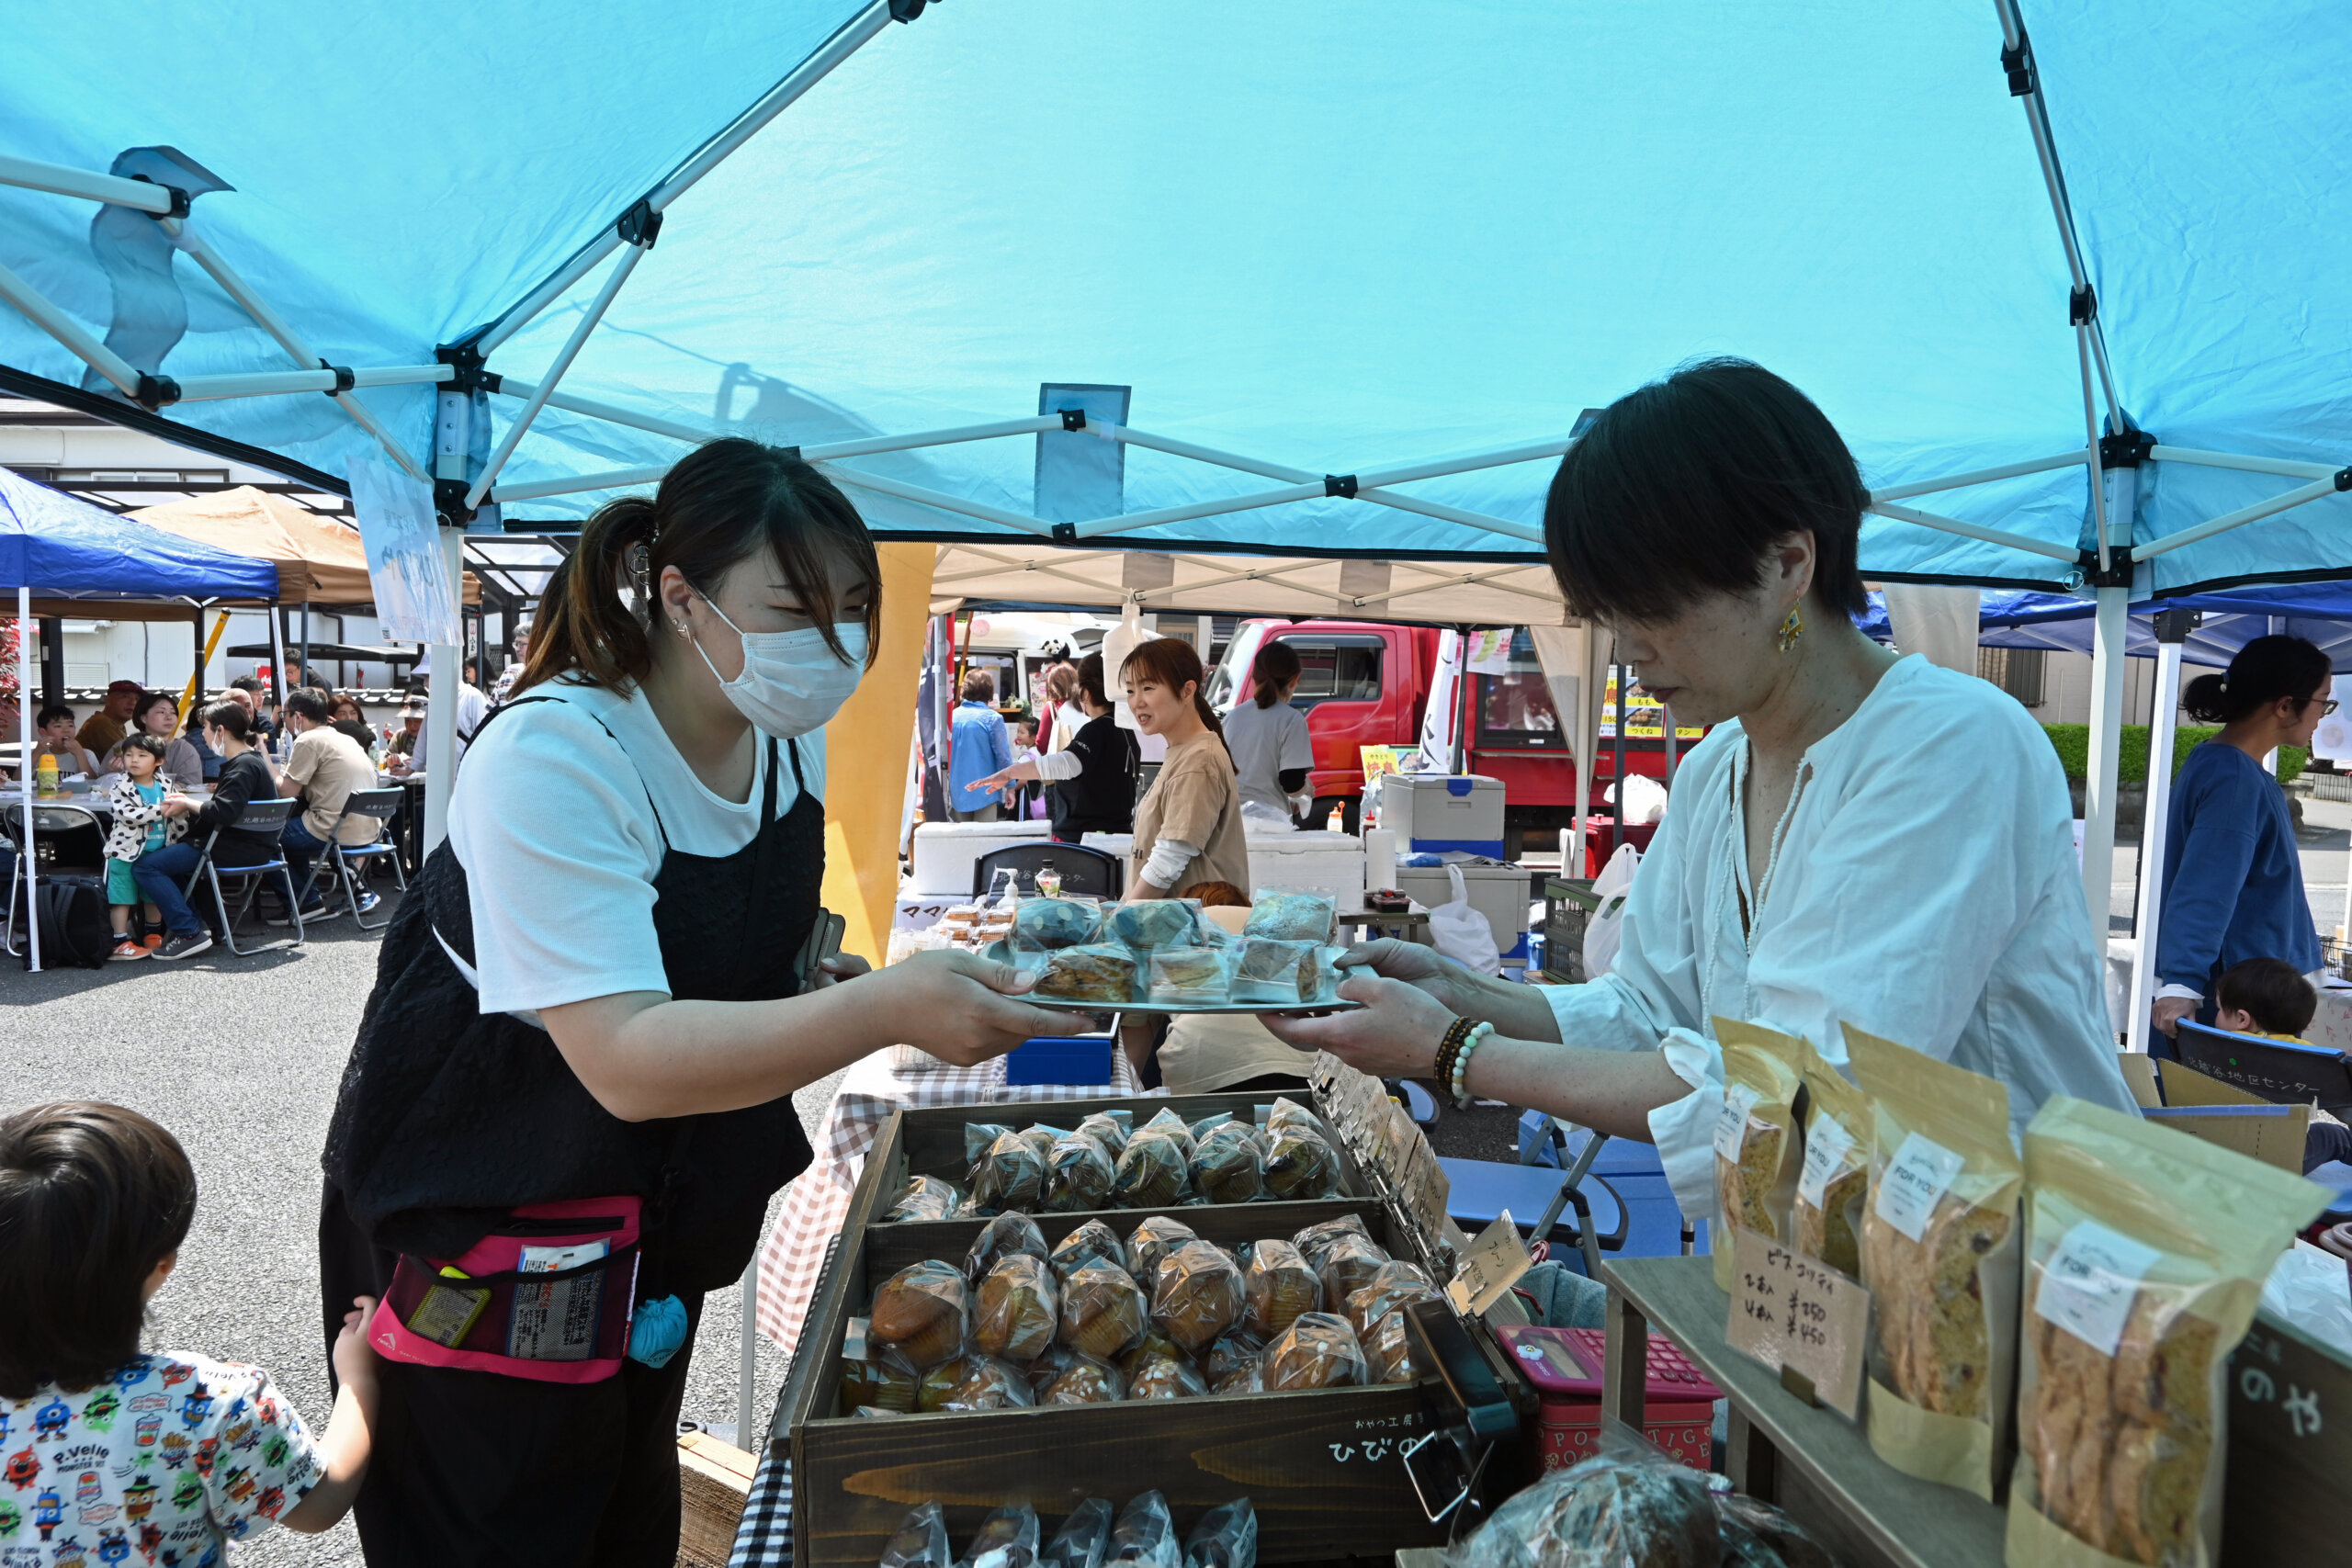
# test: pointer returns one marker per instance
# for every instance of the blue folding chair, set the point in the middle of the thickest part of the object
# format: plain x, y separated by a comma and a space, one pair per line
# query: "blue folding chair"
351, 860
258, 828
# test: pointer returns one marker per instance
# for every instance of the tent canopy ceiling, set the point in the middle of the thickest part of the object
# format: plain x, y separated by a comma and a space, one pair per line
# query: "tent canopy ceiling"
1445, 229
68, 549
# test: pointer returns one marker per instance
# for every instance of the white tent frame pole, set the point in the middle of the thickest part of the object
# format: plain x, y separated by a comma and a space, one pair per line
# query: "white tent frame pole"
1075, 558
25, 631
1019, 563
67, 331
845, 41
2091, 456
1973, 531
2197, 533
861, 480
570, 351
441, 708
1978, 476
57, 179
280, 383
2288, 467
860, 446
2155, 824
2111, 630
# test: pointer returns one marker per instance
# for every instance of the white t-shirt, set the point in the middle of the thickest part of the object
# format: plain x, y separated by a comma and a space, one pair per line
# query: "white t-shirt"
555, 825
472, 708
1265, 743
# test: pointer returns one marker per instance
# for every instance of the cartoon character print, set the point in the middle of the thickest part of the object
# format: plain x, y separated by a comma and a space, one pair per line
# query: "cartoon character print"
176, 1449
50, 1422
187, 1493
139, 1499
150, 1537
112, 1548
49, 1512
24, 1468
99, 1411
237, 1483
133, 1372
207, 1451
242, 1436
12, 1519
176, 1373
70, 1554
196, 1407
145, 1431
274, 1451
271, 1499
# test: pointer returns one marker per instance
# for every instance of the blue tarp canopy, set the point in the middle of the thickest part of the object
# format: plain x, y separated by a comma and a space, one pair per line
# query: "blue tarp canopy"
2320, 612
63, 549
1310, 242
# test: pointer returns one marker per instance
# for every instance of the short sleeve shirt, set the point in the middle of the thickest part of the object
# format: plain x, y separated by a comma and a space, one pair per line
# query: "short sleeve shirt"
169, 1458
1267, 744
327, 765
1193, 800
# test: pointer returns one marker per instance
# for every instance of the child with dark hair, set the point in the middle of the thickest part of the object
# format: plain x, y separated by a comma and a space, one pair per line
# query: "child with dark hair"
140, 824
173, 1454
2264, 996
54, 737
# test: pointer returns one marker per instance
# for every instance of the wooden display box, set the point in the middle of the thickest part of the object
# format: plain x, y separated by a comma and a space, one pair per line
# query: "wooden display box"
1321, 1467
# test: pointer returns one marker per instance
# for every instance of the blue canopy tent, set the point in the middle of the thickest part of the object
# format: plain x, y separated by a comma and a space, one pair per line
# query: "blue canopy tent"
1228, 281
2320, 612
60, 548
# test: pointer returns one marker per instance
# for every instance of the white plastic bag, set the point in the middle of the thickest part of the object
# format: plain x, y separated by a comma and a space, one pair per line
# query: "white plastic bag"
1613, 886
2309, 1288
1463, 933
1643, 797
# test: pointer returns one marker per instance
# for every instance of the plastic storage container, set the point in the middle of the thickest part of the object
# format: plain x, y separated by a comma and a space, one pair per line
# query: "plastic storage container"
1565, 1365
1430, 813
1499, 892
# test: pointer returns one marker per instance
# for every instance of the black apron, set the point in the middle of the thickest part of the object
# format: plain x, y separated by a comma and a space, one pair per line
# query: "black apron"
1102, 799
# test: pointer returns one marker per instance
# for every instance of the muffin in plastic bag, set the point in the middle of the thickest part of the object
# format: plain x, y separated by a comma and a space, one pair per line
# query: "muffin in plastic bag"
1042, 1139
1317, 1240
1226, 1536
921, 1541
1008, 1174
1193, 976
1166, 1376
922, 1310
1003, 1236
1078, 1174
1347, 1267
937, 1383
1150, 1241
1622, 1505
1167, 1121
1246, 1377
1154, 1173
1318, 1350
1287, 1115
1157, 923
988, 1383
1388, 1349
1090, 1243
1019, 1309
1229, 1164
1300, 1164
1007, 1538
1109, 1129
1085, 1380
1196, 1295
883, 1381
1145, 1535
1083, 1538
1229, 1353
1279, 1286
1054, 922
1103, 1311
1155, 1342
1393, 1284
926, 1197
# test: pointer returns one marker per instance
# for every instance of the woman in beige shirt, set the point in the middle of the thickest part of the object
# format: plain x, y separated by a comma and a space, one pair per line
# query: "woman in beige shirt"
1188, 825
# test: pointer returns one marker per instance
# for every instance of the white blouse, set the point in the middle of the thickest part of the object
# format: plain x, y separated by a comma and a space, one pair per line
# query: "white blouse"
1924, 889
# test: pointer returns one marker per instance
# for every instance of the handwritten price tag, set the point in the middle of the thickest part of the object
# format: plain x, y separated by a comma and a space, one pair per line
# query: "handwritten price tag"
1798, 1314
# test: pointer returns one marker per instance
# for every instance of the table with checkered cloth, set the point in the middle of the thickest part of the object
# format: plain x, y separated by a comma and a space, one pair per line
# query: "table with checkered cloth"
814, 1207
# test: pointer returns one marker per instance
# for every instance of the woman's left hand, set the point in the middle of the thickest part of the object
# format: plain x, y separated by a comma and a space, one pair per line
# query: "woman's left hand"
1395, 1035
839, 967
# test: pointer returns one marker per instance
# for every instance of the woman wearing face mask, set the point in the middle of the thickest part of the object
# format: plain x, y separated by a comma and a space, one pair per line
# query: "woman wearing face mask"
594, 993
1862, 839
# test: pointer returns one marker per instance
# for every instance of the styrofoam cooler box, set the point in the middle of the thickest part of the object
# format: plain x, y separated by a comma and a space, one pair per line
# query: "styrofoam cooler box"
944, 853
1306, 862
1499, 892
1430, 813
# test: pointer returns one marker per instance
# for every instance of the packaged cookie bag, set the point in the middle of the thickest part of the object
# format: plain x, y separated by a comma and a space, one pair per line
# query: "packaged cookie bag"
1758, 1149
1833, 1184
2146, 1252
1941, 1253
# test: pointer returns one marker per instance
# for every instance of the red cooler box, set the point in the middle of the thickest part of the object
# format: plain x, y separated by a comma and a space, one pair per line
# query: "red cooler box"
1565, 1365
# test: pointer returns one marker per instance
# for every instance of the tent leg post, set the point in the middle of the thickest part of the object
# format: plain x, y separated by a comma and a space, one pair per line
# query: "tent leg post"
2172, 628
1617, 809
25, 628
441, 717
2105, 757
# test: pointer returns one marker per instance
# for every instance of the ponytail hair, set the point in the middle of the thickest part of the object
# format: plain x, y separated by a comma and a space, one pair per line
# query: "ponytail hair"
722, 503
231, 718
1275, 666
1088, 681
2264, 670
1172, 661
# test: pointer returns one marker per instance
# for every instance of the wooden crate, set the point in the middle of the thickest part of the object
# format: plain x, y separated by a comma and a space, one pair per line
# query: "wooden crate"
1320, 1468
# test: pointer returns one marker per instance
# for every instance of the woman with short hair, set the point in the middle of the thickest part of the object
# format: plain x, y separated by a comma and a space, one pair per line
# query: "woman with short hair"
158, 714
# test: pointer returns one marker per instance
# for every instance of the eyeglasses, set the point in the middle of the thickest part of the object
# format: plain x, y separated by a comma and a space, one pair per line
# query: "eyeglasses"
2327, 705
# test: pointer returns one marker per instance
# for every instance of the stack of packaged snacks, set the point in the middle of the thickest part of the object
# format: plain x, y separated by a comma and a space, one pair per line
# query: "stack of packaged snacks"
1759, 1147
1940, 1254
1833, 1185
2148, 1249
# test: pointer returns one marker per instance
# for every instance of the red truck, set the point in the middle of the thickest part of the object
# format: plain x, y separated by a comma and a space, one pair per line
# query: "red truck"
1367, 684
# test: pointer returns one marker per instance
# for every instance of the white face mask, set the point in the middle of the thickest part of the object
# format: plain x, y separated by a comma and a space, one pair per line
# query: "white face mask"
791, 683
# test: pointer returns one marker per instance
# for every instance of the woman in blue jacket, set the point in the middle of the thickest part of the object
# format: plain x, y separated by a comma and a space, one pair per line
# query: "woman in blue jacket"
2234, 881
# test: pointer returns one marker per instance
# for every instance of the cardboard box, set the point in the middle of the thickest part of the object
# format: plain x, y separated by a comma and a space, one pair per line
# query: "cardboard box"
714, 1480
1499, 892
1430, 813
2271, 1134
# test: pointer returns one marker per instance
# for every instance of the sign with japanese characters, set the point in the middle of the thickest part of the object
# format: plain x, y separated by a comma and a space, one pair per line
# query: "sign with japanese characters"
1798, 1314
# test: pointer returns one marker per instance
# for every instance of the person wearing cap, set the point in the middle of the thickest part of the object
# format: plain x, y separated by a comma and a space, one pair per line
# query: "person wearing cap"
404, 745
104, 730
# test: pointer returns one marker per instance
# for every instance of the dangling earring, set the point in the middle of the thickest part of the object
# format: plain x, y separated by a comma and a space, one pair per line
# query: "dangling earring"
1792, 629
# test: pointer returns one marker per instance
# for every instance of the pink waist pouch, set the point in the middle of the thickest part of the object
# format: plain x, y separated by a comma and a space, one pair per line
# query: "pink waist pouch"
546, 1295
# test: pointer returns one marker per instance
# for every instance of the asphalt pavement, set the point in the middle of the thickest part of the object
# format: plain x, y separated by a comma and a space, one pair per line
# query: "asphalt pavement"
240, 1058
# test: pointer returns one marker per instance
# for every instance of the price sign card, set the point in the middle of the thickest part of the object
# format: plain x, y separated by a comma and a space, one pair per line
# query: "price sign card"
1797, 1314
1494, 1265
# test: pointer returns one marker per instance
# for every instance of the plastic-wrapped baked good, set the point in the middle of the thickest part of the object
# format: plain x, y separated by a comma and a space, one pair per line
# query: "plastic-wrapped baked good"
1009, 1175
1279, 1287
1155, 1342
1105, 975
921, 1541
1246, 1377
883, 1381
926, 1197
1157, 923
1197, 1295
1019, 1309
1758, 1535
1150, 1241
1387, 1349
1055, 922
1166, 1376
937, 1383
1041, 1139
1003, 1236
1267, 970
1090, 1243
1078, 1174
1166, 1121
1318, 1239
1291, 917
1102, 1311
1007, 1538
1226, 1536
1757, 1146
1109, 1129
1085, 1380
1318, 1350
1229, 1164
1083, 1538
1394, 1284
1349, 1265
1287, 1115
1154, 1173
1229, 1353
1300, 1164
921, 1309
1145, 1535
1622, 1506
1833, 1184
988, 1383
1188, 975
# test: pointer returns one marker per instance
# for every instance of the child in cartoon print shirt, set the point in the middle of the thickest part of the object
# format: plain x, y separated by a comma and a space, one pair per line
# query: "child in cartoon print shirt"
108, 1455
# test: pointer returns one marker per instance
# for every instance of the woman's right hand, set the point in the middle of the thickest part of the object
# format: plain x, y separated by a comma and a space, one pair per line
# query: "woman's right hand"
1416, 965
957, 1006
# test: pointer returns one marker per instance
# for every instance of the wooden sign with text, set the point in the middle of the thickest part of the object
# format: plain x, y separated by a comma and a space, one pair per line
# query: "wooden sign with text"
1800, 1316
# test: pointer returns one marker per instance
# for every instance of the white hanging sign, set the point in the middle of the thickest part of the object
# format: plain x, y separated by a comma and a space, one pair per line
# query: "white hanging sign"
415, 599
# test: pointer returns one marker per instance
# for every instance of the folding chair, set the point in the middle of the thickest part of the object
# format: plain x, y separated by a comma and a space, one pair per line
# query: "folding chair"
1083, 870
383, 805
258, 825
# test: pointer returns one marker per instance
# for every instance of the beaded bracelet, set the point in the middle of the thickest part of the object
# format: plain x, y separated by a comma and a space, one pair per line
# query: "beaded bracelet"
1455, 1032
1460, 1080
